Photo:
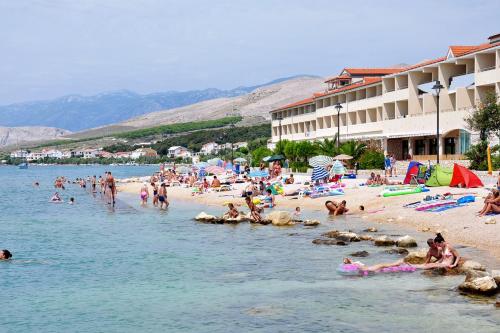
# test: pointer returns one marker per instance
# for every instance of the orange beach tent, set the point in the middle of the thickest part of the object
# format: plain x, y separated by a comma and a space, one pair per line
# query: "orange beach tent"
464, 177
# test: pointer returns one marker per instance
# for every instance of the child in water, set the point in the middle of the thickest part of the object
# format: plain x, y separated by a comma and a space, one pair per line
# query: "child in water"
297, 212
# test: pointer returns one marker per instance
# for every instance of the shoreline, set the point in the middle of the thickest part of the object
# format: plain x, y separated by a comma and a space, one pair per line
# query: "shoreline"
458, 226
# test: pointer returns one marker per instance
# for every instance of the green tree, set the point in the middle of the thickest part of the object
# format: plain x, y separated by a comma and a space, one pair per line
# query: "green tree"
259, 153
354, 149
280, 147
486, 119
304, 150
290, 150
327, 147
477, 155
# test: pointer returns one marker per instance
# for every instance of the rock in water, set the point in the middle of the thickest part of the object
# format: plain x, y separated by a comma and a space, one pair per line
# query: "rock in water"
472, 265
495, 274
204, 217
397, 250
361, 254
346, 236
366, 237
416, 257
406, 241
483, 286
311, 223
328, 242
371, 229
384, 241
280, 218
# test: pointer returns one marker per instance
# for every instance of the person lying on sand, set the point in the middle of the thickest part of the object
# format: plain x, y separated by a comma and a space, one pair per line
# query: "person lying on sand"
5, 255
449, 256
491, 203
254, 210
232, 212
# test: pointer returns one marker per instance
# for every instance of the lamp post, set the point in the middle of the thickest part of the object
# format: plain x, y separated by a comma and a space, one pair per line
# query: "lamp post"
232, 148
279, 118
437, 88
338, 107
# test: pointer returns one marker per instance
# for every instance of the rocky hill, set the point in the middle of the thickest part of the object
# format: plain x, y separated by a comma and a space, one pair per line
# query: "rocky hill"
13, 136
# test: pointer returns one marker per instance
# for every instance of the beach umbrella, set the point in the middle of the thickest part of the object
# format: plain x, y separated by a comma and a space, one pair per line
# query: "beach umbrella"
240, 160
202, 173
343, 157
321, 161
337, 168
183, 169
214, 161
319, 173
258, 173
229, 166
200, 165
216, 170
273, 158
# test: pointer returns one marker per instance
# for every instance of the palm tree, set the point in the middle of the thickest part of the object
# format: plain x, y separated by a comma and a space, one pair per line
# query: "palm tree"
354, 149
327, 147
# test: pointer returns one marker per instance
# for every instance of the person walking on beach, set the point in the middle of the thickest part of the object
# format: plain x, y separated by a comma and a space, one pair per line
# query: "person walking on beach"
111, 187
387, 165
162, 196
393, 166
144, 193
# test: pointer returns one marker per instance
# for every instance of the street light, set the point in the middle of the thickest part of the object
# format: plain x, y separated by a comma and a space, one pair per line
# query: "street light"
437, 88
338, 107
232, 149
279, 118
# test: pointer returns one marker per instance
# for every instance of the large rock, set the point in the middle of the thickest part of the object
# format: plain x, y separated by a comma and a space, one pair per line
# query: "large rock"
495, 274
416, 257
406, 241
280, 218
204, 217
473, 274
483, 286
472, 265
384, 241
345, 236
365, 237
311, 223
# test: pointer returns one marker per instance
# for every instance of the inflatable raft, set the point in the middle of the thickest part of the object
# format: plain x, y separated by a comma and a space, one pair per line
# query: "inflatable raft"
403, 191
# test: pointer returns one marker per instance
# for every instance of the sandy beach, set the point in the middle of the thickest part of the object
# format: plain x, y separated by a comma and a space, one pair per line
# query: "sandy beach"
459, 225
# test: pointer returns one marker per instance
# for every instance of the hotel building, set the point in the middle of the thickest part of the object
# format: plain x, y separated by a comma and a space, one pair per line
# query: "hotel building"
397, 106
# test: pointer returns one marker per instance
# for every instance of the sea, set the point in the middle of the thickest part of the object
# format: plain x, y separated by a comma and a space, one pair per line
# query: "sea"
89, 267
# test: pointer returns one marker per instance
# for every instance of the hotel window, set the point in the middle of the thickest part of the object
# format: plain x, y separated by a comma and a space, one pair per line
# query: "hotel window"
419, 147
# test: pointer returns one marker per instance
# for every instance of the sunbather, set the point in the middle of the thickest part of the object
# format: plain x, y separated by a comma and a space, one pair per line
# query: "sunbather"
491, 203
232, 212
254, 210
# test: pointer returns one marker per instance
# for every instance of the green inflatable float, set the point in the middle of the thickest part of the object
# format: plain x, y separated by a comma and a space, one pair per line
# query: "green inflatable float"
440, 176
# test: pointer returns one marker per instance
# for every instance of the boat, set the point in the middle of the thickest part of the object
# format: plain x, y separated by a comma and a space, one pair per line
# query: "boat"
23, 165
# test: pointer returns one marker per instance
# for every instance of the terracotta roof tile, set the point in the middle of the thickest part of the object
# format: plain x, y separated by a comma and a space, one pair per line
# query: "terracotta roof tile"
366, 81
299, 103
372, 71
458, 50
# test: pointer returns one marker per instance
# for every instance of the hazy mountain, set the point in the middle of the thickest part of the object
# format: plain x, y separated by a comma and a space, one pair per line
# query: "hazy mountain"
16, 135
77, 112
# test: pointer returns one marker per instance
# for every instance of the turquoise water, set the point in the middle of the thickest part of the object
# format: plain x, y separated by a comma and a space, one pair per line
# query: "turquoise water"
85, 268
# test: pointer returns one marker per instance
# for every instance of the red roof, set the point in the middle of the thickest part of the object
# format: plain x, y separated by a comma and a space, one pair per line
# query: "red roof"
458, 50
343, 76
299, 103
372, 71
366, 81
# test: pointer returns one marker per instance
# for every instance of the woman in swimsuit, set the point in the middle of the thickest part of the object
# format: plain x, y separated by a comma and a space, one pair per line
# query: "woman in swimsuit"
491, 203
155, 194
110, 183
449, 256
144, 194
374, 268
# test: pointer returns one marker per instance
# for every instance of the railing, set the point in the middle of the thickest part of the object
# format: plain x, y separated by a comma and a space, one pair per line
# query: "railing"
441, 157
489, 68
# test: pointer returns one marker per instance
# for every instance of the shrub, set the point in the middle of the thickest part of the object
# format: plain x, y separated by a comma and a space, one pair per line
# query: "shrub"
371, 159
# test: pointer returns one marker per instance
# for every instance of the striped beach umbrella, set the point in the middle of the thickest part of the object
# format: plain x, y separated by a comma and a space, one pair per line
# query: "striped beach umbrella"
321, 161
216, 170
319, 173
337, 168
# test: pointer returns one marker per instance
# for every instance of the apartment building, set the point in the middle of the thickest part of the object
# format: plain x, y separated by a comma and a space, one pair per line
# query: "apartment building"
397, 106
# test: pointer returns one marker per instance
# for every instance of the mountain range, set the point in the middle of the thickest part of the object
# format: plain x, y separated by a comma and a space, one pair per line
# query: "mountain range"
76, 112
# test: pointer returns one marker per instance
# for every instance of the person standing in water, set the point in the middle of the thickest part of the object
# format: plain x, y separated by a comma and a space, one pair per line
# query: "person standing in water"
111, 186
162, 196
155, 194
144, 192
94, 183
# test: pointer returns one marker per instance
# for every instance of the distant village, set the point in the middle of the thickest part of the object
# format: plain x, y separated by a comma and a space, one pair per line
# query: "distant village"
174, 152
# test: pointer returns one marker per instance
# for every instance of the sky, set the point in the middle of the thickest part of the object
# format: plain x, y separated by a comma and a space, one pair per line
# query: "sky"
52, 48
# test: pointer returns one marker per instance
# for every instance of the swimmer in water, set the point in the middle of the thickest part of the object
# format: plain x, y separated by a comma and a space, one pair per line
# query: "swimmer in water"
56, 197
5, 255
71, 201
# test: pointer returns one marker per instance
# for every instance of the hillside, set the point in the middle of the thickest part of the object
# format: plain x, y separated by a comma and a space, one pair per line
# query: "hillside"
78, 113
18, 135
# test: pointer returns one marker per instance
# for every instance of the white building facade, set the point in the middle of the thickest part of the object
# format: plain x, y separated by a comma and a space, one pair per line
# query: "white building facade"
397, 106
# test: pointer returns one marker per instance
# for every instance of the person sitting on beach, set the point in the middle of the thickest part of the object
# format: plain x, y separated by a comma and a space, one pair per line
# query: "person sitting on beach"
449, 256
249, 190
290, 180
270, 198
215, 182
5, 255
491, 203
254, 210
374, 268
232, 212
206, 185
371, 180
433, 251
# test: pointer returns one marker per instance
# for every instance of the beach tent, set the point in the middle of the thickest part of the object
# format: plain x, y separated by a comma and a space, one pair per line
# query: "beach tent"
319, 173
337, 168
463, 177
413, 168
440, 176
